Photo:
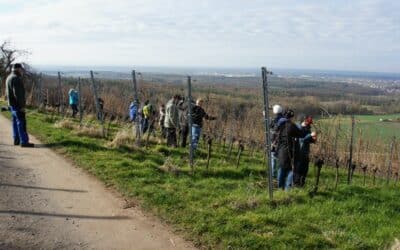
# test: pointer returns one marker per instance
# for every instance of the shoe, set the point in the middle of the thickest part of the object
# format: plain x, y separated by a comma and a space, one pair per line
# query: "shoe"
16, 142
27, 145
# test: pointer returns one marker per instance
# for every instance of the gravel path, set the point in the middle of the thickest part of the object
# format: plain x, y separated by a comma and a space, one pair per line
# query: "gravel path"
46, 203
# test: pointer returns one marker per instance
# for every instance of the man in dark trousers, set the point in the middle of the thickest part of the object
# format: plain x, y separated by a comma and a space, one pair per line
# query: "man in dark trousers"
301, 165
15, 92
288, 132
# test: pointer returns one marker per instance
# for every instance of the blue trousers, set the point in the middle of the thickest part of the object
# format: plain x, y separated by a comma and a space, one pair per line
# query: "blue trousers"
196, 131
19, 126
285, 178
274, 164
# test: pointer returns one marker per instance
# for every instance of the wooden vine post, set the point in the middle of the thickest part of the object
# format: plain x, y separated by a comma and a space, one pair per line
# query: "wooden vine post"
209, 149
80, 101
96, 100
59, 108
350, 161
389, 170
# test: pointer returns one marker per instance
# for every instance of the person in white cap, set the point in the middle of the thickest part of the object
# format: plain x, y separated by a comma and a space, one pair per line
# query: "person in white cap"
278, 112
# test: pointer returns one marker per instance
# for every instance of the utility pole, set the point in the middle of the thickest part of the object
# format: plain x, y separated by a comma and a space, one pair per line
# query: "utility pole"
264, 74
350, 163
137, 103
189, 82
98, 109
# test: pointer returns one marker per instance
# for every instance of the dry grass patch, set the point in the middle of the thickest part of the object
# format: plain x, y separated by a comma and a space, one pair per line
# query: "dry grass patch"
124, 138
90, 131
65, 123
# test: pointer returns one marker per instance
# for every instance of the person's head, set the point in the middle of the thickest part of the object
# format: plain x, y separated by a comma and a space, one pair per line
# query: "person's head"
71, 91
18, 68
277, 109
289, 114
199, 102
308, 120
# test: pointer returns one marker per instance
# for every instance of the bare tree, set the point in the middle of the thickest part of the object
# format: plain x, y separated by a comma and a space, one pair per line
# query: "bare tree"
8, 56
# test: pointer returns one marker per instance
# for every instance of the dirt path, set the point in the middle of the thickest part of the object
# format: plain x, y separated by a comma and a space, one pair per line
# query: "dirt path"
47, 203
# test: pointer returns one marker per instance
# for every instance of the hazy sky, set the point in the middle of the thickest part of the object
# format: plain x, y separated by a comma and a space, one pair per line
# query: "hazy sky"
337, 34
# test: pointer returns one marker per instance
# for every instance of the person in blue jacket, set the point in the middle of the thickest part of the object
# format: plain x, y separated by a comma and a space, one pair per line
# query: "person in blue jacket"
73, 101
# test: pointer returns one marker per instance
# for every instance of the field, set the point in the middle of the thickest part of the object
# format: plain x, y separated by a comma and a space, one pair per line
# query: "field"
228, 207
371, 127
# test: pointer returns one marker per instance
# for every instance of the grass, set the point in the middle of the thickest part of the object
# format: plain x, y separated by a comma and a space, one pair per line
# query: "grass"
228, 207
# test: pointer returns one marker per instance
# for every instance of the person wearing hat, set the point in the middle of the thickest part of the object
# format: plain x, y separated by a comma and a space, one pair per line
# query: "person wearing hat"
278, 112
303, 159
15, 92
288, 132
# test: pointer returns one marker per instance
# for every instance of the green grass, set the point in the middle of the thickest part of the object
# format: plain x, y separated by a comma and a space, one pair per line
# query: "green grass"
228, 207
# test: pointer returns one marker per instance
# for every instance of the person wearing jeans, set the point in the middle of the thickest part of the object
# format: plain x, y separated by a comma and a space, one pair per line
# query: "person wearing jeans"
15, 92
198, 114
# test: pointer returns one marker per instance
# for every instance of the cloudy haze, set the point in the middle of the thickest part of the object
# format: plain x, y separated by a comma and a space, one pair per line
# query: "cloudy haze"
351, 35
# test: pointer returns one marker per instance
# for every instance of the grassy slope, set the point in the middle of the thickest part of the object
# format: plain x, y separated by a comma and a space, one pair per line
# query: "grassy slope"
228, 206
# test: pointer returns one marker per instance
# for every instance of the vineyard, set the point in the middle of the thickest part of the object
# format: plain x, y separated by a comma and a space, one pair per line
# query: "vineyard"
224, 202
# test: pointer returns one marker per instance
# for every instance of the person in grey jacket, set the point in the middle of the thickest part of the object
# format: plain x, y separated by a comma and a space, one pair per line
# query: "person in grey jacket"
171, 122
15, 92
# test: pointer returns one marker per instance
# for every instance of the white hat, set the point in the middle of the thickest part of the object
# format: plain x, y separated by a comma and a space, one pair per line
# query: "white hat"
277, 109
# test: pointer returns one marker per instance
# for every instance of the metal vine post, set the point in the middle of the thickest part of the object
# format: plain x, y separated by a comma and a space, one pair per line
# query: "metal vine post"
264, 73
189, 83
137, 103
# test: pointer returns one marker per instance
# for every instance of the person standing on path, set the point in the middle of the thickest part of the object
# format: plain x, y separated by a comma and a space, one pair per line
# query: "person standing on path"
15, 92
198, 114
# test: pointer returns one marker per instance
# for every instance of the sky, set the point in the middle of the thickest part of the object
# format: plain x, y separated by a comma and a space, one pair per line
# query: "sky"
361, 35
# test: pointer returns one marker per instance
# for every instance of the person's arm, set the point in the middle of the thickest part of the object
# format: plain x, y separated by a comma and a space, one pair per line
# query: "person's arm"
295, 131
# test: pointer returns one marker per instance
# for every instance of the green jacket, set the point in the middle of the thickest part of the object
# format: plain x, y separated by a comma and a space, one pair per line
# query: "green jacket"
15, 91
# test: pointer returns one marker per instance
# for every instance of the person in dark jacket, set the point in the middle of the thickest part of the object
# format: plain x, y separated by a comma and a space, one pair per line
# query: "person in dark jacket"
301, 165
183, 122
15, 92
198, 114
288, 132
